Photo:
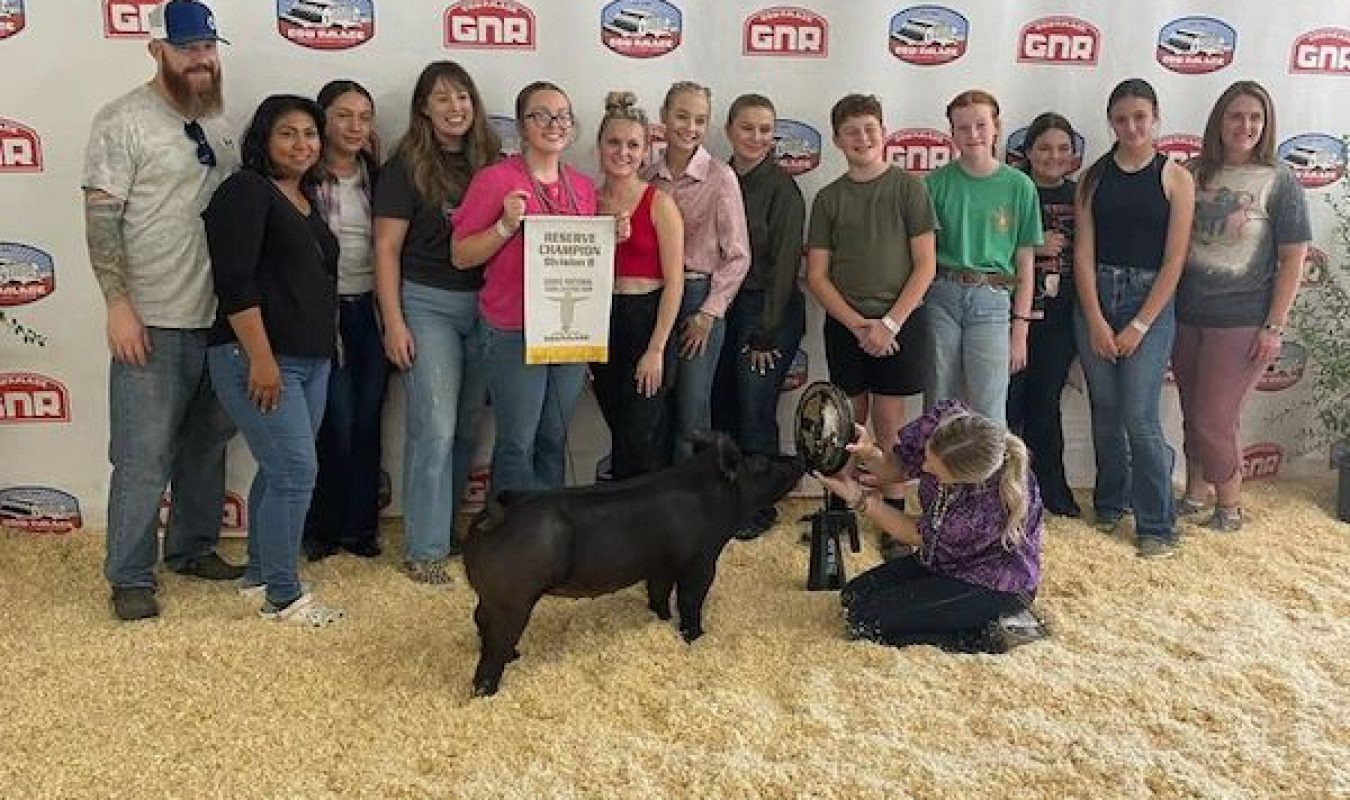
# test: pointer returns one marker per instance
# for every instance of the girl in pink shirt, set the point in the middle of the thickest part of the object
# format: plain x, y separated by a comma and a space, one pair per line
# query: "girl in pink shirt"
531, 404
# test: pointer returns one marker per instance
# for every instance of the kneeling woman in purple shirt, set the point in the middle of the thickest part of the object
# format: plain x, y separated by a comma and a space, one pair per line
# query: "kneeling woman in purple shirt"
978, 534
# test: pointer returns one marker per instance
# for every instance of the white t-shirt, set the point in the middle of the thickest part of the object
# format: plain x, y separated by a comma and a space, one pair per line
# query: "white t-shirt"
356, 271
139, 152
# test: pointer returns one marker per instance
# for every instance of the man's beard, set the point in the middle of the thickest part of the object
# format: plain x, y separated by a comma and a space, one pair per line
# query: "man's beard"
194, 103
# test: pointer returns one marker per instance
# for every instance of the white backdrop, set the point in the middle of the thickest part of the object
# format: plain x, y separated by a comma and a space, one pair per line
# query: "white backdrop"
63, 60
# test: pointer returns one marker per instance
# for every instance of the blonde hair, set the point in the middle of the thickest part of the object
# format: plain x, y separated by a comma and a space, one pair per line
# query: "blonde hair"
973, 448
623, 106
680, 87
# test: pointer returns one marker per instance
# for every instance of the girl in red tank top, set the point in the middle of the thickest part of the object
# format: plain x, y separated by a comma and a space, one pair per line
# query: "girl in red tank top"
648, 284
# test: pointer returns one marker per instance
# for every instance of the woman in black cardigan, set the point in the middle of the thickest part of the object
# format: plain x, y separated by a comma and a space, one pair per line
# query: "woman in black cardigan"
274, 261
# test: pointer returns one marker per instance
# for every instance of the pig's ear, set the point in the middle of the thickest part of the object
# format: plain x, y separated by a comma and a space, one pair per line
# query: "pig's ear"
728, 456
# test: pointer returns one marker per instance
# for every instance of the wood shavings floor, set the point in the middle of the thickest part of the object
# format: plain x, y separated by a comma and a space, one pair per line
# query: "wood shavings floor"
1223, 673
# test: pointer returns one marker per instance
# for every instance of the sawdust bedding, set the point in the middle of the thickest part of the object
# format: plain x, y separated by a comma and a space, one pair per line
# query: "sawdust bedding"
1223, 673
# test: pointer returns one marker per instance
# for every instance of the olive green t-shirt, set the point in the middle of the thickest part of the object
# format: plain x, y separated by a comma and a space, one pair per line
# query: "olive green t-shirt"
982, 221
867, 227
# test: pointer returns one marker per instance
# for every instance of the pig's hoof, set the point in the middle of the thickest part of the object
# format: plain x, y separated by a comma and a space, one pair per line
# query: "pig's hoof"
513, 655
485, 689
691, 634
661, 613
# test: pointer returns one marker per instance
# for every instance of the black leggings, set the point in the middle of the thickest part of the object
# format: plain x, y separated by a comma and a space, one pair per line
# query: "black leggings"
639, 426
903, 602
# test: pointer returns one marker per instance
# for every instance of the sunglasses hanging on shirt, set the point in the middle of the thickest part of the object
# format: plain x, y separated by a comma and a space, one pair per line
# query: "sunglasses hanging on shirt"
205, 155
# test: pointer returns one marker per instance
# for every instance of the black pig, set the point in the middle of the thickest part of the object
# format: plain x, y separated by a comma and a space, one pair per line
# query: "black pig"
666, 528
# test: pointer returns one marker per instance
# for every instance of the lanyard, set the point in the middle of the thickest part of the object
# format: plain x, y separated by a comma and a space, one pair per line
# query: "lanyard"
573, 208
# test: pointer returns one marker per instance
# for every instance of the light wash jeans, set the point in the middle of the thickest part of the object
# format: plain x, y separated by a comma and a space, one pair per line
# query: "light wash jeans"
531, 406
282, 442
1134, 460
166, 428
446, 409
968, 336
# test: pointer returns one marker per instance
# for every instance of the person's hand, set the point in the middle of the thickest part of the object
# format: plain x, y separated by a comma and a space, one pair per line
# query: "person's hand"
1127, 341
128, 340
877, 340
694, 335
1054, 245
1265, 346
648, 375
842, 485
513, 208
1017, 347
398, 344
1103, 339
264, 384
761, 361
623, 227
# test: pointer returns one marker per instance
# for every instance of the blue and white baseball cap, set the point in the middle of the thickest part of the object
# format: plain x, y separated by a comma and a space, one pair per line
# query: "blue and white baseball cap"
181, 22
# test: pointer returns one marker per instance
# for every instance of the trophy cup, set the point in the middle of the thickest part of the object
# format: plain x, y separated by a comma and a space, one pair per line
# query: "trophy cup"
824, 429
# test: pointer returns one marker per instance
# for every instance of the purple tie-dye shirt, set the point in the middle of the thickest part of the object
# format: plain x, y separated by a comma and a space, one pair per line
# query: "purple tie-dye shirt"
968, 545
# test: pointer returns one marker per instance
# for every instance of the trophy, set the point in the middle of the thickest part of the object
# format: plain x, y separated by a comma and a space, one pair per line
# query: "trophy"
824, 430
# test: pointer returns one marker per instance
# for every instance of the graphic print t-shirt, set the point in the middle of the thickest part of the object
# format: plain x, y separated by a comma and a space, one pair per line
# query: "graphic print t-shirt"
1241, 217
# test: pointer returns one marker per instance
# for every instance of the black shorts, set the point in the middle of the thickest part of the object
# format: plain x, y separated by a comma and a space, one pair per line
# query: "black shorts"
854, 371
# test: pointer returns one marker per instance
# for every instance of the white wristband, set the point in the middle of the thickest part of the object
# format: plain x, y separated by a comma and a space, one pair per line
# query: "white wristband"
1139, 325
891, 325
503, 231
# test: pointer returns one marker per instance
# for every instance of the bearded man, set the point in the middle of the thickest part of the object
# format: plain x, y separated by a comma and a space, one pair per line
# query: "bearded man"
155, 156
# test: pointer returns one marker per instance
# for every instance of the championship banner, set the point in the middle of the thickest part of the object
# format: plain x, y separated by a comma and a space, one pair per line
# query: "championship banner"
569, 282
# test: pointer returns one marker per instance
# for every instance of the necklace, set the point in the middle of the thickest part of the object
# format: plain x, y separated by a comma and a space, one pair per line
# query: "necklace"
942, 503
571, 208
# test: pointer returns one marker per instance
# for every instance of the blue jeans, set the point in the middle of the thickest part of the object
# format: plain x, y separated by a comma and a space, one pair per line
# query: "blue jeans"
1134, 461
446, 408
531, 406
968, 355
166, 428
282, 442
745, 401
691, 379
345, 507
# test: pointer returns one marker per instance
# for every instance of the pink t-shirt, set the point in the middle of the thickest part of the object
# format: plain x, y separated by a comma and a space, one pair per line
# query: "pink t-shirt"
502, 299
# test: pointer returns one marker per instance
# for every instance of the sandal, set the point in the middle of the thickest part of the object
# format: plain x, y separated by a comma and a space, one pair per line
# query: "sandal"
1226, 519
432, 573
1186, 507
304, 611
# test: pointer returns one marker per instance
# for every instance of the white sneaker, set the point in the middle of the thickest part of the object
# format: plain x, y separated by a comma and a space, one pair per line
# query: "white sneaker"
305, 611
258, 591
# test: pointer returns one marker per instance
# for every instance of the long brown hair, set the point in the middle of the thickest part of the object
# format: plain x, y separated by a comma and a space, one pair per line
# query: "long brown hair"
422, 153
973, 448
1211, 156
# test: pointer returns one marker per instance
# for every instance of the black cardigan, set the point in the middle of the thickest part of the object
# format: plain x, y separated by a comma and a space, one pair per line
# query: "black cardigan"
264, 254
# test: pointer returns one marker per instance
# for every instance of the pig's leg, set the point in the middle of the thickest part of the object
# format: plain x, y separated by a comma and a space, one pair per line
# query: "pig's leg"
482, 618
506, 623
693, 589
658, 596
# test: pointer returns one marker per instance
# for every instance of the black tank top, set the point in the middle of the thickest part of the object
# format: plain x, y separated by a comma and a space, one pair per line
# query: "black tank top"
1129, 215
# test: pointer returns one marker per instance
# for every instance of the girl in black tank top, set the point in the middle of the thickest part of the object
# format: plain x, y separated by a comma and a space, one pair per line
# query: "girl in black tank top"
1130, 211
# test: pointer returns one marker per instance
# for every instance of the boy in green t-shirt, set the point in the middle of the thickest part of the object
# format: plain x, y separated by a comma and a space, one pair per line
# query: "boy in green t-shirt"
870, 258
989, 221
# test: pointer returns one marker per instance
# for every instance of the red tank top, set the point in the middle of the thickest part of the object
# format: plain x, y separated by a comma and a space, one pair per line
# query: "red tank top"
640, 256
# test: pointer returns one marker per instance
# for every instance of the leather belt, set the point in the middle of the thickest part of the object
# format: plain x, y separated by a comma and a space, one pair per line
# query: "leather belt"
971, 277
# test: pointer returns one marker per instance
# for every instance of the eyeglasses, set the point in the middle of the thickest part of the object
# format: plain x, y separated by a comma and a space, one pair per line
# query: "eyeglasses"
544, 118
205, 155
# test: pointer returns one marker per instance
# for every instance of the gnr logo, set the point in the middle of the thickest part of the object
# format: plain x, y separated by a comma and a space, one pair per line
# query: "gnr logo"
490, 25
1059, 40
20, 147
1180, 147
919, 150
786, 31
127, 19
1325, 51
12, 18
1262, 461
27, 397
